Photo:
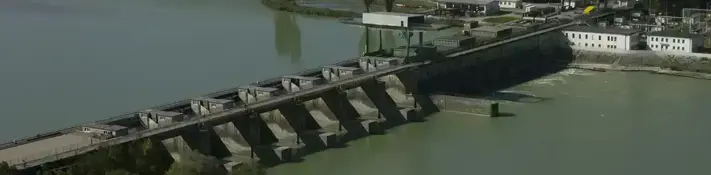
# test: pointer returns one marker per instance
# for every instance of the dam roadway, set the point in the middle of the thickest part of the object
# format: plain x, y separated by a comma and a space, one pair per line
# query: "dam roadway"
10, 151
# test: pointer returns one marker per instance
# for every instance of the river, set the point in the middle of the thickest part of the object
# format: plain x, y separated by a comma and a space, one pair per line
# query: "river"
64, 62
588, 123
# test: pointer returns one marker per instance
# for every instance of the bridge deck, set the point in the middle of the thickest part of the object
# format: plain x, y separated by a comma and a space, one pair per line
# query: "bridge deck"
45, 147
225, 116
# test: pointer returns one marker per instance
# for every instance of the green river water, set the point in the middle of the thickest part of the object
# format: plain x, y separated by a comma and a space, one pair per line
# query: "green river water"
63, 62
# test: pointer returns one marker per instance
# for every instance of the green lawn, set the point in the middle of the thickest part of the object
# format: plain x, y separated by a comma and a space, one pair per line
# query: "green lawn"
502, 19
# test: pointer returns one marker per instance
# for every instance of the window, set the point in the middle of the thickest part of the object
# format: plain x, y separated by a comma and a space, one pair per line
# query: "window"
683, 48
666, 40
586, 44
586, 36
599, 37
566, 34
682, 41
599, 45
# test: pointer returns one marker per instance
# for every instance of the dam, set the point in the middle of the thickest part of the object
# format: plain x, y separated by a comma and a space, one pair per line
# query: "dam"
281, 119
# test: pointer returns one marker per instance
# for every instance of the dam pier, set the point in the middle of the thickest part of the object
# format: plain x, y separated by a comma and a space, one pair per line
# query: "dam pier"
282, 119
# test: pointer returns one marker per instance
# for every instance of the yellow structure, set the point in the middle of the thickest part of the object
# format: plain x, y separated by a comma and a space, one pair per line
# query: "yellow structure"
589, 9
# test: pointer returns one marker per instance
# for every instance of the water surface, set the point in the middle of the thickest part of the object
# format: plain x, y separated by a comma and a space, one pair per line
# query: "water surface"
591, 123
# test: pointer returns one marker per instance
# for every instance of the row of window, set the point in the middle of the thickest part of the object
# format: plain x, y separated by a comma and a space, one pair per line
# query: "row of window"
666, 47
667, 39
598, 45
507, 3
599, 37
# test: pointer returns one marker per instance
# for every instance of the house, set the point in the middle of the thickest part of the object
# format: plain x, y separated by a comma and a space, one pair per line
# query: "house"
511, 4
585, 37
392, 19
103, 130
471, 7
673, 41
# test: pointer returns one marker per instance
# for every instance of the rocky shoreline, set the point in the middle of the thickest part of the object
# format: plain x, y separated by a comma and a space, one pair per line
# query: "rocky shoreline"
681, 64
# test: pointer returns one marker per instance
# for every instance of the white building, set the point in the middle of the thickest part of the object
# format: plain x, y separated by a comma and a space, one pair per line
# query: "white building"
671, 41
471, 7
593, 38
392, 19
512, 4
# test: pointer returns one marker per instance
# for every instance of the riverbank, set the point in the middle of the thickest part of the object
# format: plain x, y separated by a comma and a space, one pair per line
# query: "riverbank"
291, 6
347, 9
679, 64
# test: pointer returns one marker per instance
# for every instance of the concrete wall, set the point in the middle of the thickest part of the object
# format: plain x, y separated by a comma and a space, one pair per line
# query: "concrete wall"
495, 67
466, 105
692, 62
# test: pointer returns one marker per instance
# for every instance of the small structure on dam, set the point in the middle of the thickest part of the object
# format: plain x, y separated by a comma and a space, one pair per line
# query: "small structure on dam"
160, 117
203, 105
251, 93
292, 83
374, 63
333, 73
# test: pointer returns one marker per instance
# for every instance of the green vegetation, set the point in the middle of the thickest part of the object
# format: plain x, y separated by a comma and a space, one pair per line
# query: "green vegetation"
501, 19
141, 158
291, 6
6, 169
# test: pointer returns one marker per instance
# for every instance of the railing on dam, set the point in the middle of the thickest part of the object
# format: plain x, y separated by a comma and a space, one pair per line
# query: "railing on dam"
226, 116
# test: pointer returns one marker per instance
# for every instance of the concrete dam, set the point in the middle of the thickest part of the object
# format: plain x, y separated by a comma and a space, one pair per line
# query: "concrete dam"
282, 119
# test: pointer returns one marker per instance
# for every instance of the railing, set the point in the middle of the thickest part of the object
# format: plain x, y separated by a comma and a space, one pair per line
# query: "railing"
171, 105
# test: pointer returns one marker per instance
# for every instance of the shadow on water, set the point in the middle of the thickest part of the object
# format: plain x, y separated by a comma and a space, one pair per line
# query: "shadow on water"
505, 70
515, 97
505, 114
287, 37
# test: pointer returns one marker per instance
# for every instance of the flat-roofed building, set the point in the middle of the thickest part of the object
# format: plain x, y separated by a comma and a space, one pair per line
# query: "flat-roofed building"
104, 130
471, 7
672, 41
393, 19
491, 31
204, 105
595, 38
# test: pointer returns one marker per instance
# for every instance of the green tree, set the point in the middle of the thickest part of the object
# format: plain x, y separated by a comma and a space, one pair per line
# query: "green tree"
367, 4
193, 163
249, 169
148, 158
5, 168
119, 172
389, 4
